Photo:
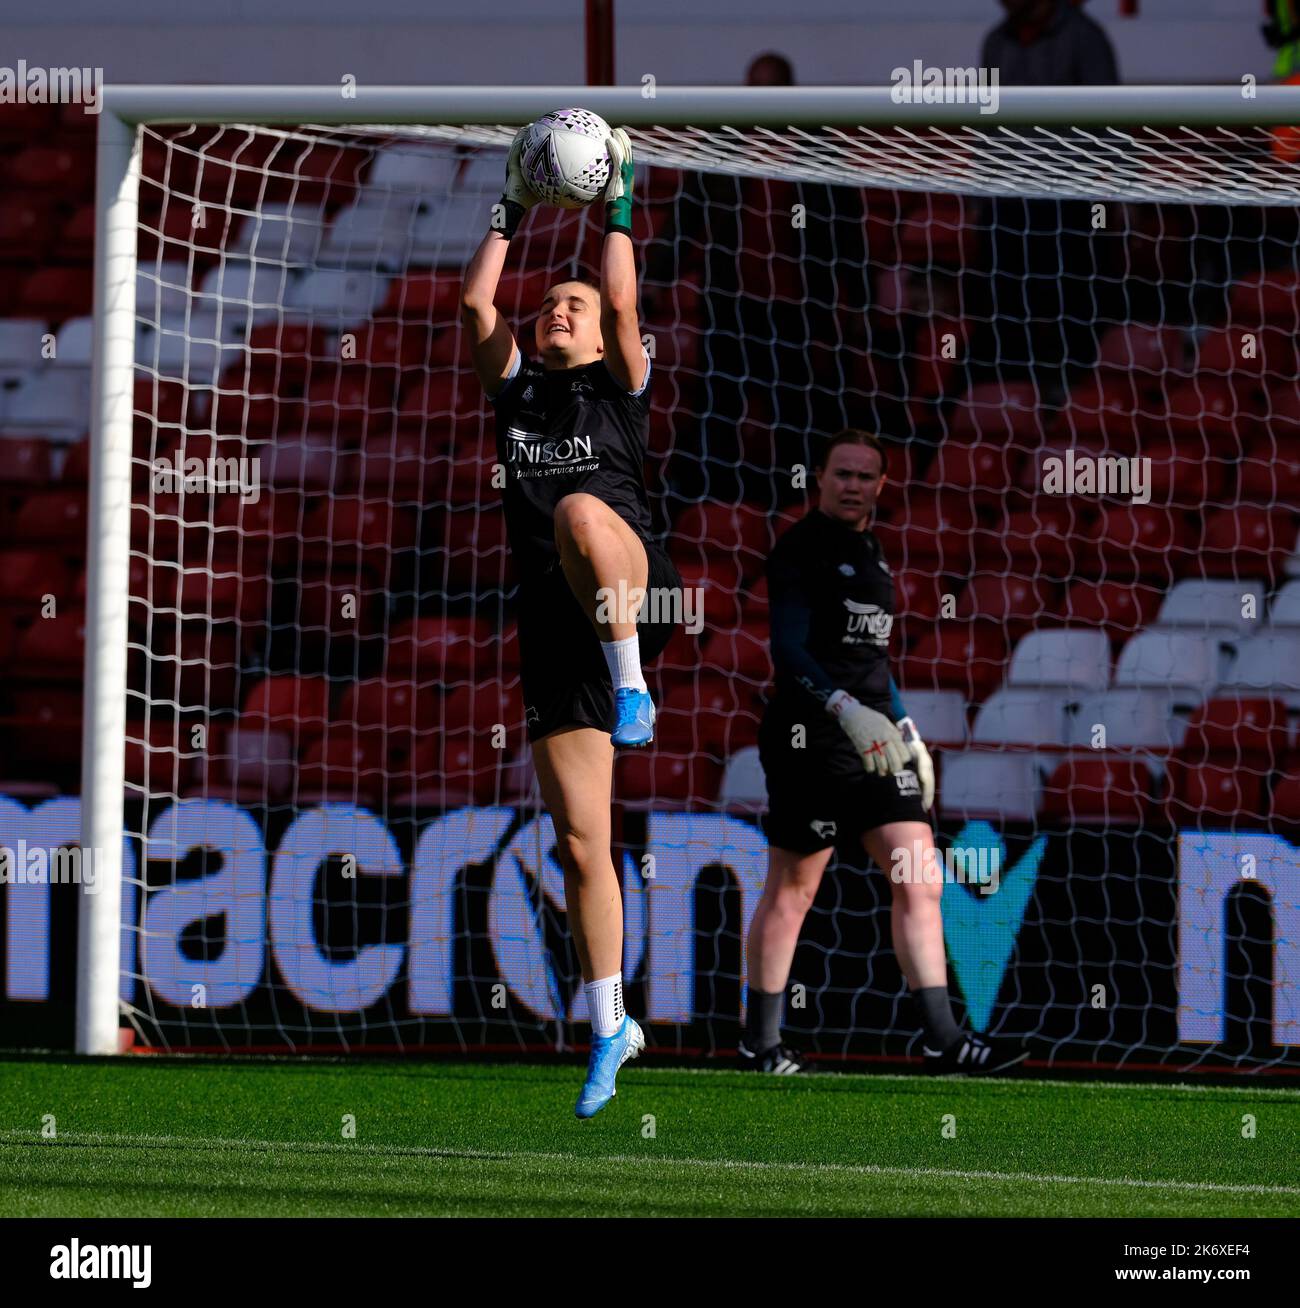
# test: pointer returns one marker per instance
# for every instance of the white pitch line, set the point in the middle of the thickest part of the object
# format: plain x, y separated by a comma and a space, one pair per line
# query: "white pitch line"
504, 1155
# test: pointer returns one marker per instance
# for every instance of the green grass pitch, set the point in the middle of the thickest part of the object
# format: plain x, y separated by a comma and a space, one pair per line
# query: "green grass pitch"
193, 1137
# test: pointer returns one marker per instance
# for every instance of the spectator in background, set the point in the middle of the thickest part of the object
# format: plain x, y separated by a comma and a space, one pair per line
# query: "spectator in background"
1049, 43
1037, 310
770, 69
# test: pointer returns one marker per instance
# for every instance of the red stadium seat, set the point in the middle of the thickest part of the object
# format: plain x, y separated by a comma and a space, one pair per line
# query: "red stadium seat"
1185, 481
666, 780
1148, 354
298, 705
966, 656
706, 531
1206, 417
55, 518
998, 412
1143, 541
1120, 607
26, 576
52, 649
348, 404
1285, 807
159, 759
64, 172
56, 293
1105, 789
394, 711
350, 529
1210, 794
742, 652
717, 715
24, 461
1271, 295
1253, 730
1103, 412
449, 770
409, 466
343, 766
1245, 351
27, 230
984, 471
935, 534
1248, 541
443, 651
1018, 602
477, 552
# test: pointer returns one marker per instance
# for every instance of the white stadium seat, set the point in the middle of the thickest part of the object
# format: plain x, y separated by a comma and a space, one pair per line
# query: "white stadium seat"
940, 715
744, 786
1269, 662
54, 404
1022, 716
281, 234
1134, 718
1285, 611
1212, 607
20, 347
1172, 658
1062, 656
346, 294
415, 170
984, 783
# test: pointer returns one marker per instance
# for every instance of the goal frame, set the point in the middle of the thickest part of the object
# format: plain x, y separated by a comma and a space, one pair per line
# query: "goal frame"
124, 109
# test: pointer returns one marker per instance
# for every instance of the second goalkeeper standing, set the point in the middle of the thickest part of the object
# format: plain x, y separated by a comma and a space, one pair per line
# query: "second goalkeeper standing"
844, 762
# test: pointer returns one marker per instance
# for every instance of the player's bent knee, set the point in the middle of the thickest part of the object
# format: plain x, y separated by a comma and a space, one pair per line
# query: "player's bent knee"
579, 517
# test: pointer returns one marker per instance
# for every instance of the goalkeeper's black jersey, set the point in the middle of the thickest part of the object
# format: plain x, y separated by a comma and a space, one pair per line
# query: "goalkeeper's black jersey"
831, 596
565, 430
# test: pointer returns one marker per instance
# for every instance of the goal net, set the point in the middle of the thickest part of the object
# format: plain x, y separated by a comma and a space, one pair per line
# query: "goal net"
1079, 343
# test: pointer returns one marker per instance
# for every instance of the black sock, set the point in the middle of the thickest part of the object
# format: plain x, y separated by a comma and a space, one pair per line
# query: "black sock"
941, 1028
763, 1014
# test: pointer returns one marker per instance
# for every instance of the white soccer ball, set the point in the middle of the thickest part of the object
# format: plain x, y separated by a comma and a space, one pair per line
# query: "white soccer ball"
564, 158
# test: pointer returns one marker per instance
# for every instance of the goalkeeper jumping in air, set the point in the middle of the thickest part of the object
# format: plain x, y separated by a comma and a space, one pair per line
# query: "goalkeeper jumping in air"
844, 762
571, 433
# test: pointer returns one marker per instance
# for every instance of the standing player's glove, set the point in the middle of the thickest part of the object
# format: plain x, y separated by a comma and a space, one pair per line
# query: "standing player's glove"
921, 759
874, 736
618, 190
516, 199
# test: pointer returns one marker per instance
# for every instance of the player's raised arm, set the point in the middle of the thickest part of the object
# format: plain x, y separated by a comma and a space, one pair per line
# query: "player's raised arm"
620, 318
491, 342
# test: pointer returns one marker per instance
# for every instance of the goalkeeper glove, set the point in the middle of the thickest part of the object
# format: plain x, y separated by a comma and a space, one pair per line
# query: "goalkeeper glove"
618, 190
874, 736
516, 199
921, 759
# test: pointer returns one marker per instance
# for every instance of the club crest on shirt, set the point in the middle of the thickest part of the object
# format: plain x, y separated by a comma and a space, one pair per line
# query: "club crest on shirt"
867, 622
847, 570
826, 830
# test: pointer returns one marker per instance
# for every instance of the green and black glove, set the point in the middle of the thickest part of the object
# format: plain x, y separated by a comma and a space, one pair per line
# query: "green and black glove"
618, 190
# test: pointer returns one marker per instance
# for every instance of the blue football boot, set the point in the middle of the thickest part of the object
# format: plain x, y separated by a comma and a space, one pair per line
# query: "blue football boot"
608, 1054
636, 717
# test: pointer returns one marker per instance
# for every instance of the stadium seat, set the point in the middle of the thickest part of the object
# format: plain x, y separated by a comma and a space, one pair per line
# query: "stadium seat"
1285, 805
348, 529
1063, 656
1253, 729
442, 651
65, 173
1100, 414
1022, 716
1206, 417
1246, 542
742, 652
1269, 471
56, 293
1119, 607
55, 404
478, 558
744, 787
297, 705
1285, 609
935, 534
717, 716
445, 771
55, 518
1002, 413
248, 765
1212, 607
1145, 353
51, 649
1133, 718
1182, 482
1100, 790
1267, 662
1018, 602
1216, 794
1142, 541
282, 235
982, 470
964, 656
337, 295
991, 784
159, 760
661, 780
343, 766
1184, 660
25, 462
940, 717
311, 464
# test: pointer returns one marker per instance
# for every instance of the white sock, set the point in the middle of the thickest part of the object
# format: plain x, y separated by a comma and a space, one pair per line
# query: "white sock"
624, 659
605, 1003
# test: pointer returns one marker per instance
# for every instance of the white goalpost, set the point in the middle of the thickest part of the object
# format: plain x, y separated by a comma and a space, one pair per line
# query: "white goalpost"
1180, 154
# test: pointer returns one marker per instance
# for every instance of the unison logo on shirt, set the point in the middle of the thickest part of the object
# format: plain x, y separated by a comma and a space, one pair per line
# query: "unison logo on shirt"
534, 450
867, 622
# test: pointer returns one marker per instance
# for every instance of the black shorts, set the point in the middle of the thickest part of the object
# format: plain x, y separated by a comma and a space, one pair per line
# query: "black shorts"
807, 811
565, 677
